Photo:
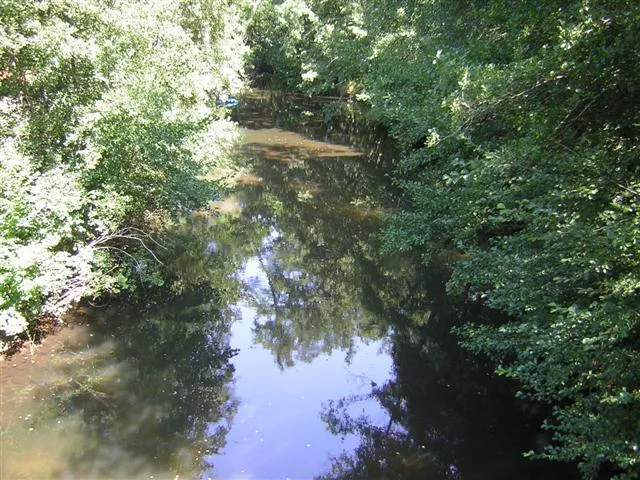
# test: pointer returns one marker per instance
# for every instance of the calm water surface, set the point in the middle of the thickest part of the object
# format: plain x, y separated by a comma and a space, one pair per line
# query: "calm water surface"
285, 347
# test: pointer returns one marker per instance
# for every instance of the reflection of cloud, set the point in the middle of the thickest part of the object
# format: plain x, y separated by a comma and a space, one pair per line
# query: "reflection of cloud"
253, 275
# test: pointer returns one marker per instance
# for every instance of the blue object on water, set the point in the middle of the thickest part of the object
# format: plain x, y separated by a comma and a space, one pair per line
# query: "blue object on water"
227, 102
231, 102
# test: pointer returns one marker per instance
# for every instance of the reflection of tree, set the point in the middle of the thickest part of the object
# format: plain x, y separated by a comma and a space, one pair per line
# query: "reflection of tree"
160, 397
446, 419
386, 450
302, 316
400, 447
326, 281
319, 264
207, 249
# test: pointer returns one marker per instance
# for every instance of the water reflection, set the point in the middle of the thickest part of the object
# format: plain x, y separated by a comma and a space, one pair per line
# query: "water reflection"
277, 431
301, 312
131, 395
282, 344
304, 333
151, 401
321, 200
448, 417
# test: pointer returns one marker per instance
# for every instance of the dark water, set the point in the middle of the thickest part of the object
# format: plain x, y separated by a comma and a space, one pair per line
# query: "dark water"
283, 347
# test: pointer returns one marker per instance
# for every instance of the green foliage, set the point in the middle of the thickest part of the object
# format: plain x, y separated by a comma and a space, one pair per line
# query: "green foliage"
108, 113
520, 128
278, 34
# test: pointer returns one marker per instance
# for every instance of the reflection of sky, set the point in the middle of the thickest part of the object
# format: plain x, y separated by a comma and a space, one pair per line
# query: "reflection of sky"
277, 431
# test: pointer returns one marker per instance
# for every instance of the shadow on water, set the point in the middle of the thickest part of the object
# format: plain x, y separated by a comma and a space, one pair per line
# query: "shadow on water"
266, 354
131, 395
135, 391
155, 396
149, 392
447, 416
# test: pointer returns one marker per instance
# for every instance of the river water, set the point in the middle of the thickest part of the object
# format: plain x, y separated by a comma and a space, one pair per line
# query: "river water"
284, 346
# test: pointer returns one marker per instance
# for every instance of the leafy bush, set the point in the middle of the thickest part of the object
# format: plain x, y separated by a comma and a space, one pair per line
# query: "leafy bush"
105, 108
520, 130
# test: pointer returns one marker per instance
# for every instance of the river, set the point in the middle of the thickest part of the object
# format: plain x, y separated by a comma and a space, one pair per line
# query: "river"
285, 345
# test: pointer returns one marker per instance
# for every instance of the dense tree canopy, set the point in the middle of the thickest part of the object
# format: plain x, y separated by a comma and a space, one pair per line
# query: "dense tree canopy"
520, 129
519, 125
107, 115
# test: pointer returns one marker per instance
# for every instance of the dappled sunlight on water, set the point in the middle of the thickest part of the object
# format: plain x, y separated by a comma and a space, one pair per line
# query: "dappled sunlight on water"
248, 179
230, 205
288, 147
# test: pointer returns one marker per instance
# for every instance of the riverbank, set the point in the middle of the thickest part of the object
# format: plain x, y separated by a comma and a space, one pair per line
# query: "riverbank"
283, 336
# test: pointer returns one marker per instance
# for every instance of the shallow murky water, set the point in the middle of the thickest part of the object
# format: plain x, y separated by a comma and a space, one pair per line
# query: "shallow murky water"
285, 348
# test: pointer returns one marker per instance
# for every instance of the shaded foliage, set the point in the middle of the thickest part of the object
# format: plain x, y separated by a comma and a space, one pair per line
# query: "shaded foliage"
519, 124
